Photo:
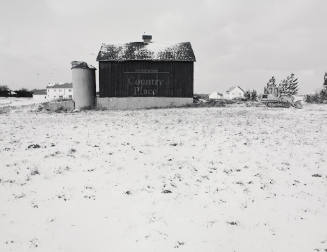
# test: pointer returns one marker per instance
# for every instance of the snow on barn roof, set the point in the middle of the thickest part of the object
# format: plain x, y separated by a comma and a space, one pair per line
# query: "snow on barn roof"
65, 85
146, 51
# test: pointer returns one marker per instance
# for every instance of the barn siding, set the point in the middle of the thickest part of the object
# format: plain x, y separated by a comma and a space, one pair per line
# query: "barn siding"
176, 76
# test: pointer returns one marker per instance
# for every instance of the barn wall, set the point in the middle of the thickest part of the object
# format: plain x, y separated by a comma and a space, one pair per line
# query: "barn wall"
126, 103
146, 78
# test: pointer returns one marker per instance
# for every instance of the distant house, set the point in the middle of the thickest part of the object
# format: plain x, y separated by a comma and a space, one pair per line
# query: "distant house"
40, 95
216, 96
232, 93
12, 93
60, 91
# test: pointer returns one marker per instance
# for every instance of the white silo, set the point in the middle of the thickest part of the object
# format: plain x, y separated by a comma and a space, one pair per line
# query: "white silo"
83, 76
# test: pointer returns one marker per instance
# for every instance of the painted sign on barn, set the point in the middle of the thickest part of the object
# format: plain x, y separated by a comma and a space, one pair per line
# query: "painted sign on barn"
146, 82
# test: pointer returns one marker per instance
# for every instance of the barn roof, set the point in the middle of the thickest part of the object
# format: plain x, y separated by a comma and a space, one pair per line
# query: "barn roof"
136, 51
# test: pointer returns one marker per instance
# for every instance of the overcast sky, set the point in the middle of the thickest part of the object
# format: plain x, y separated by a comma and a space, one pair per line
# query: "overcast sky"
236, 42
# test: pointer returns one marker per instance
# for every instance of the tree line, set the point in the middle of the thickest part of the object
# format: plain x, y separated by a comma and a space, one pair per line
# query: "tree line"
287, 86
7, 92
290, 86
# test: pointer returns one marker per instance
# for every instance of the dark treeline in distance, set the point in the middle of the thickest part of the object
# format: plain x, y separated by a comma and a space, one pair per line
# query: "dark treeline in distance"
23, 92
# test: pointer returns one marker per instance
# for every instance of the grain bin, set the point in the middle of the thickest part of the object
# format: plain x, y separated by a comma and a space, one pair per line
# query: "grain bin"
83, 76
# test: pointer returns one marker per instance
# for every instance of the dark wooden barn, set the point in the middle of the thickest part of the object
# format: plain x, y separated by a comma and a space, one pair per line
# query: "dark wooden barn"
146, 69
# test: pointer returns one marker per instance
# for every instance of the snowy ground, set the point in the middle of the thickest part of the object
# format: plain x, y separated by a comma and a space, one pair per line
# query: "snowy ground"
13, 101
201, 179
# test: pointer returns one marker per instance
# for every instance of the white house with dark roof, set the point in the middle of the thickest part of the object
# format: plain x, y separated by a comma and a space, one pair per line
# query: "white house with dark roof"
40, 95
60, 91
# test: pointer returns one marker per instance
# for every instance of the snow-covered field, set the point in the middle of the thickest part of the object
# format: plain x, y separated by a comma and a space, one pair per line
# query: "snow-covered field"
200, 179
13, 101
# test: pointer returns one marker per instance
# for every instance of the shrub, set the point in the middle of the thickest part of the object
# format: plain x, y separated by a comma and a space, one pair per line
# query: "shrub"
318, 97
251, 95
4, 91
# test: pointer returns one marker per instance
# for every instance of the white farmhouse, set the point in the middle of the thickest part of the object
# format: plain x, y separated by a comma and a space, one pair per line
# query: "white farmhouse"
40, 95
60, 91
234, 93
215, 96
